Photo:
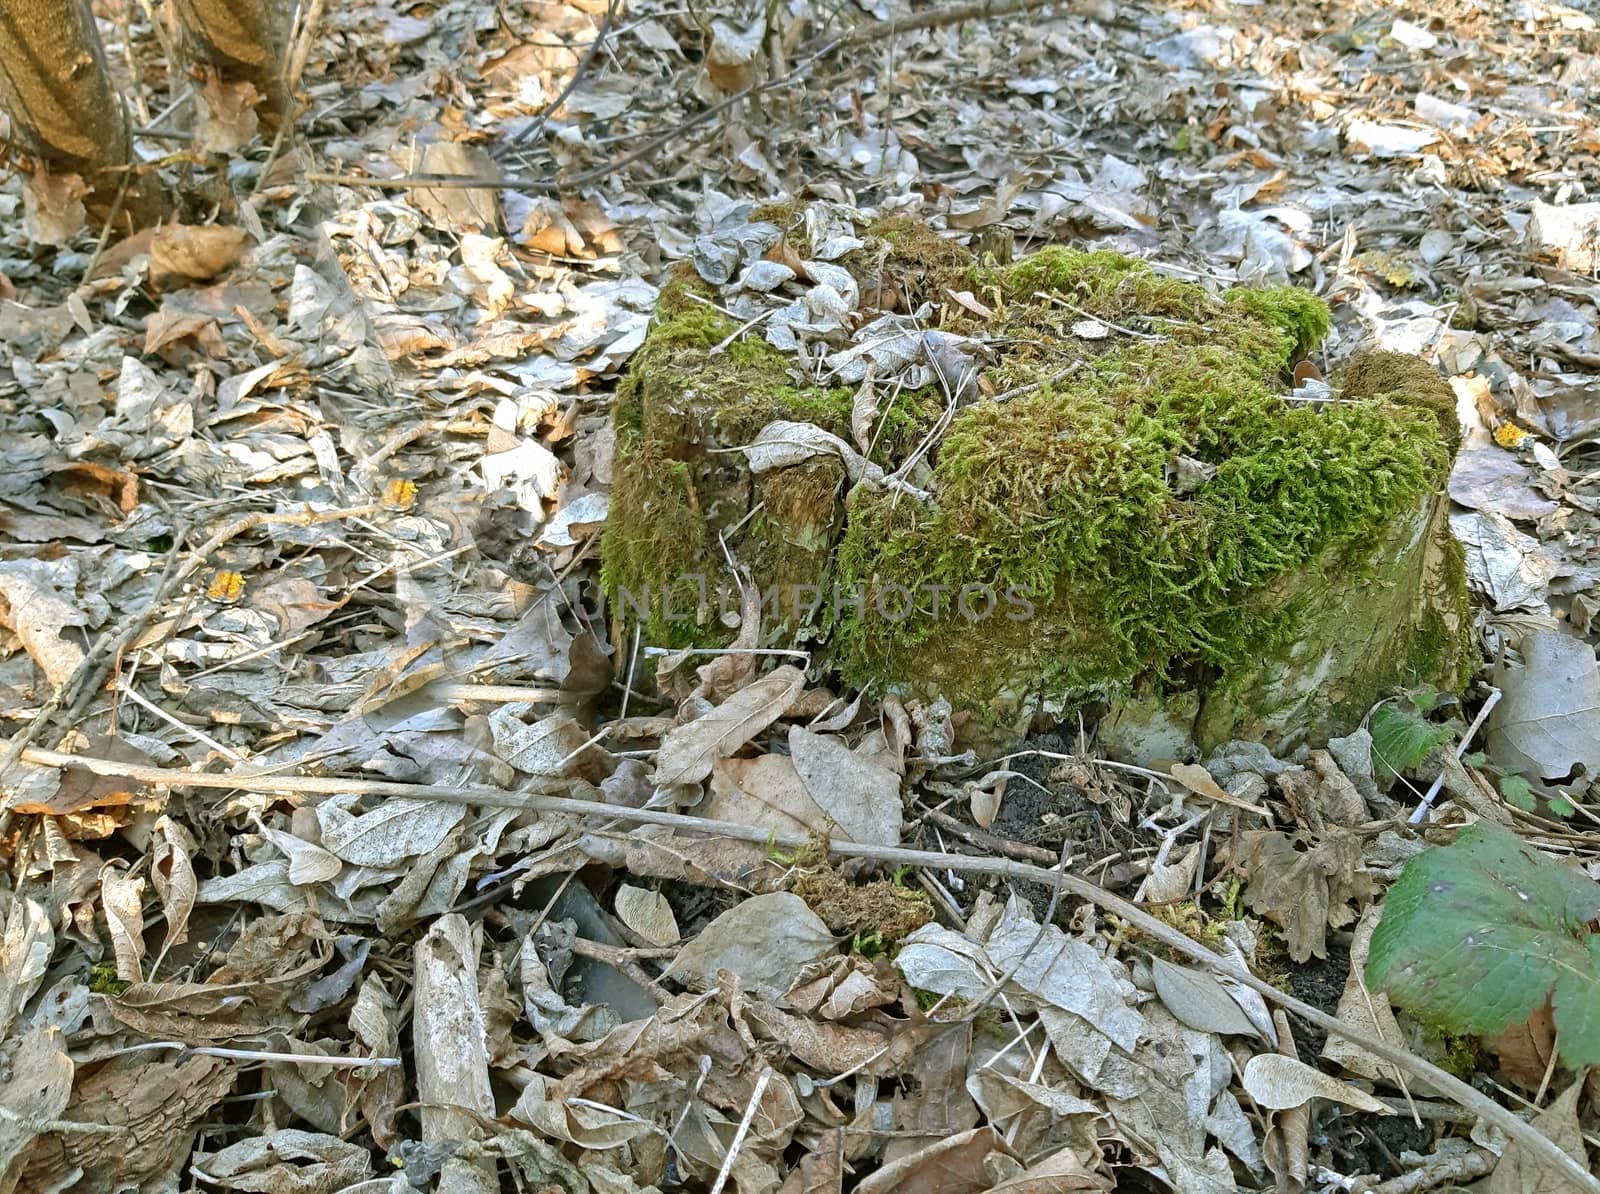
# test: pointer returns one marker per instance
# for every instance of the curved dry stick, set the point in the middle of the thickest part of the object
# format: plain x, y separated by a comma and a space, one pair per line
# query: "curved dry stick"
1546, 1149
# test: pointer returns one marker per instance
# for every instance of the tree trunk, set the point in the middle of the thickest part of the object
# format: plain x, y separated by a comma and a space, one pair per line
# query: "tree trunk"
246, 40
63, 105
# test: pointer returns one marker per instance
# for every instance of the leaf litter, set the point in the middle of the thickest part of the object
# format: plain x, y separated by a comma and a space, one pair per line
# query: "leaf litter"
305, 502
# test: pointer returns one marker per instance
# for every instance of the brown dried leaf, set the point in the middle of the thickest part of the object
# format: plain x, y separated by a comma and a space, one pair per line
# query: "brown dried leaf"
688, 753
1305, 888
843, 988
766, 791
954, 1165
173, 876
1058, 1173
122, 899
167, 329
1198, 780
648, 914
876, 1048
859, 796
1277, 1083
766, 940
53, 207
185, 253
459, 209
374, 1020
226, 115
82, 790
308, 862
25, 950
1522, 1049
1521, 1171
100, 487
32, 609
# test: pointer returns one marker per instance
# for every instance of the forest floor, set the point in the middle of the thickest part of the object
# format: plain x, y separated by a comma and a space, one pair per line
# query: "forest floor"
379, 865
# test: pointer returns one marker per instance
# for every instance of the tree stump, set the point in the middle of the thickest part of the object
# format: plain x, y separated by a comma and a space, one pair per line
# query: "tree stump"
1033, 486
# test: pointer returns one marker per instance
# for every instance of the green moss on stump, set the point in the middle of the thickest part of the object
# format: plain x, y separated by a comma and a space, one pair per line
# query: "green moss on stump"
1067, 493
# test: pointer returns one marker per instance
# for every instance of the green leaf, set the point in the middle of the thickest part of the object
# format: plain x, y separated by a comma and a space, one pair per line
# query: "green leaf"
1402, 737
1518, 792
1562, 807
1477, 935
1425, 700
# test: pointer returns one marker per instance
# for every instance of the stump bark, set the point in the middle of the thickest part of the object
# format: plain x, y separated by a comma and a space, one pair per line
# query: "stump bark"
66, 112
63, 106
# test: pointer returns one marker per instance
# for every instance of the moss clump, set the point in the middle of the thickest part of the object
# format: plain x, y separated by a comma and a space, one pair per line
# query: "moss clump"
1146, 505
1298, 314
696, 390
880, 911
1066, 494
1404, 380
103, 979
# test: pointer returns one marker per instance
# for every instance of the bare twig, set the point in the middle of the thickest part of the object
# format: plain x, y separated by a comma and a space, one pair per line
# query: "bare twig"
1439, 1170
310, 18
1426, 804
1079, 311
743, 1130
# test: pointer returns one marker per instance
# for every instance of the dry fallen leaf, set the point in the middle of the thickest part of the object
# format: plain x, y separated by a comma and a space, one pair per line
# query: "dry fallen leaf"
1198, 780
181, 254
766, 940
1199, 1000
32, 609
122, 899
1520, 1171
173, 876
24, 957
1306, 887
688, 752
648, 914
1277, 1082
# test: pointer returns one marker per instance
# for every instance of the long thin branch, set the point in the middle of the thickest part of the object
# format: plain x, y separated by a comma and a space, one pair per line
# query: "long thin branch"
1541, 1145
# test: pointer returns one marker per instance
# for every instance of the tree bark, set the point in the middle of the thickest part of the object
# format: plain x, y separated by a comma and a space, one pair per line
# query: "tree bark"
63, 105
246, 41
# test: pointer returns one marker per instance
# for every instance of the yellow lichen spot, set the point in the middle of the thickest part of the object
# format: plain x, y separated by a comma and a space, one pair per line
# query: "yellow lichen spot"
399, 494
1509, 435
226, 586
1393, 268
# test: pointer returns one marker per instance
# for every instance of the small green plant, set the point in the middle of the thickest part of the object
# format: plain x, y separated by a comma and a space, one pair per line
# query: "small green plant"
1518, 792
1231, 901
1402, 735
1458, 1055
868, 945
103, 979
1477, 935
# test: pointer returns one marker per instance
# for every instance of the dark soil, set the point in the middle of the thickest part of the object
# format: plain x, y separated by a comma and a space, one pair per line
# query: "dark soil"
1319, 982
1346, 1141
